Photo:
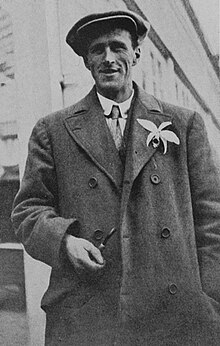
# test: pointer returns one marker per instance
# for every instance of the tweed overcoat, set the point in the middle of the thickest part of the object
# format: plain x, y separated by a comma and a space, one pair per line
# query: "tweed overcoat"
161, 282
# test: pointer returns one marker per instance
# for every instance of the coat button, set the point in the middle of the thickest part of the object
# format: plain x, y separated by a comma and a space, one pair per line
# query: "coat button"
93, 182
98, 234
172, 288
165, 233
155, 179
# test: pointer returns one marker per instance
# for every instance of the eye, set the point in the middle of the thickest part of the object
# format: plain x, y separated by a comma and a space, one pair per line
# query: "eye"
117, 47
96, 49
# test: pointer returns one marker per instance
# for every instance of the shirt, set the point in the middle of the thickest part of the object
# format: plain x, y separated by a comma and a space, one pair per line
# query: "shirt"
123, 106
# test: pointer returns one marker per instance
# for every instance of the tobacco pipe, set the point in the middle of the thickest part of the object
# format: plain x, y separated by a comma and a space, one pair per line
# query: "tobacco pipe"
109, 235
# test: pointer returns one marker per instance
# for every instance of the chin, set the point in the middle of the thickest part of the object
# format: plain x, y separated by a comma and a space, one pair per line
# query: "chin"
109, 86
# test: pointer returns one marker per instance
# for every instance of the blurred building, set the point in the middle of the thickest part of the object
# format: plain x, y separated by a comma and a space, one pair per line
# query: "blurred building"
13, 316
43, 75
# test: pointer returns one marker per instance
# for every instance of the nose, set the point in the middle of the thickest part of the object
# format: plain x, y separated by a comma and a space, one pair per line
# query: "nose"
109, 55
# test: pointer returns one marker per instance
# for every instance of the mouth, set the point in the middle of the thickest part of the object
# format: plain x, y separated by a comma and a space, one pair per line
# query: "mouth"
109, 71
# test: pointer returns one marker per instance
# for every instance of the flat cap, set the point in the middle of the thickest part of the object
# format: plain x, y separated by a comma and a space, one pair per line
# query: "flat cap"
91, 26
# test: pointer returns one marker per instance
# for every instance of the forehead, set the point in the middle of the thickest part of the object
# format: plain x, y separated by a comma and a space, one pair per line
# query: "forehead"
113, 35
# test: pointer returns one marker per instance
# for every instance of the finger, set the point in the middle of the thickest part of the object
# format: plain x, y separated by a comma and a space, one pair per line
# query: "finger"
79, 253
95, 253
89, 263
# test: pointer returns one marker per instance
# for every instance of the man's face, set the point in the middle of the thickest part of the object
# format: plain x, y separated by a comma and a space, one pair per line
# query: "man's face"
110, 59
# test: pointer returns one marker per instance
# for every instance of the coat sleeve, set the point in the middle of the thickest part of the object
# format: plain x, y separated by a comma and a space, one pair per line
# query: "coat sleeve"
205, 192
35, 215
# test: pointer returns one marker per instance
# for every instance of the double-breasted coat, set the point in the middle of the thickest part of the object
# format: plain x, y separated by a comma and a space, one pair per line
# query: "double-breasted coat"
161, 282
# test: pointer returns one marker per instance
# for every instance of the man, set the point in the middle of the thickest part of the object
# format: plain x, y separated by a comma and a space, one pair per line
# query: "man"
121, 198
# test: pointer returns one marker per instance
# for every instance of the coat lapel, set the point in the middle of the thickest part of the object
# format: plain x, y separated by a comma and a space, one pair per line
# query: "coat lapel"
89, 129
138, 153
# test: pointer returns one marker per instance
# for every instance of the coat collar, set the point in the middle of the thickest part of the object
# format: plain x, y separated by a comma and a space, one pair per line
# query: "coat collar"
86, 124
89, 129
138, 153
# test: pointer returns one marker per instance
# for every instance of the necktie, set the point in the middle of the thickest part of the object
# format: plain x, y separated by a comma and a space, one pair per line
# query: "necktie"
114, 126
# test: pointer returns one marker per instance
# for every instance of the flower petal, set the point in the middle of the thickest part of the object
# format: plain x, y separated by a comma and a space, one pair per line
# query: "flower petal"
148, 125
149, 138
170, 136
163, 125
164, 144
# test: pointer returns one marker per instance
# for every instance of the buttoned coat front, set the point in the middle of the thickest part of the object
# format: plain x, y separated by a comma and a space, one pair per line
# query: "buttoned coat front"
161, 282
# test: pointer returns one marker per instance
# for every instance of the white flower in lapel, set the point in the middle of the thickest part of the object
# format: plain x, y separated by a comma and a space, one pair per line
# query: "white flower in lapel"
158, 133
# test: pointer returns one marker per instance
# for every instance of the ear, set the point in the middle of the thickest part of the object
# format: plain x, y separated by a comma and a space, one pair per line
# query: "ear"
137, 55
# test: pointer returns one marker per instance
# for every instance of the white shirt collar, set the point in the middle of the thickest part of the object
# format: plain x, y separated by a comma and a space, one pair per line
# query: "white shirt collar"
107, 104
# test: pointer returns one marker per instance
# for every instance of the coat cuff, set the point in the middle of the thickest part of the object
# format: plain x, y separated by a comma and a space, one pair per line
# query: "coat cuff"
73, 230
45, 245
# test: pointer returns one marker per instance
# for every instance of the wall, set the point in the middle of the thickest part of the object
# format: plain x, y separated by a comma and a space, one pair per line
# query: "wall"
33, 100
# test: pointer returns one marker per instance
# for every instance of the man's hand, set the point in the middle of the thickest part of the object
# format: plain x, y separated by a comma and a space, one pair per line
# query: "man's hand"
83, 255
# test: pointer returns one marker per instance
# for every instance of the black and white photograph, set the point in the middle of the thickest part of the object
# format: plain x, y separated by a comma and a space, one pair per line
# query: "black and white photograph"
109, 173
